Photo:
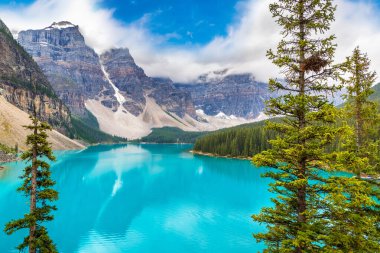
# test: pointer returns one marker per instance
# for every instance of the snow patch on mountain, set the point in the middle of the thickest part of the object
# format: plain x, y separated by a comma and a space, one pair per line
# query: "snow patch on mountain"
119, 97
222, 115
61, 25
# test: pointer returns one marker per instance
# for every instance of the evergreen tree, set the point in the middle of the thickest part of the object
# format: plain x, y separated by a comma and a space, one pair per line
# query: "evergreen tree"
350, 211
298, 154
362, 144
351, 204
37, 185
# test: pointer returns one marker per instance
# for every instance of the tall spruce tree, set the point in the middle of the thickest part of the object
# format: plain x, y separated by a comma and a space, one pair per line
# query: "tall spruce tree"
351, 205
298, 154
38, 186
361, 145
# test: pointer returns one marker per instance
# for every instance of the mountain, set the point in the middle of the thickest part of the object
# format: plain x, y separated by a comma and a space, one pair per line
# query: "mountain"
146, 103
236, 95
124, 100
23, 85
70, 65
20, 76
135, 86
12, 132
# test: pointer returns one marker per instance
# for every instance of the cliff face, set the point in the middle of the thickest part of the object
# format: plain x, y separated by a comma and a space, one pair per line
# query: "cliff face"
135, 85
127, 77
48, 109
172, 99
71, 66
239, 95
21, 78
12, 132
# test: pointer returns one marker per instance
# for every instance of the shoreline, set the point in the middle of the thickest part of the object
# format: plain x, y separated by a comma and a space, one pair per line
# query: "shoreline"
158, 143
7, 158
219, 156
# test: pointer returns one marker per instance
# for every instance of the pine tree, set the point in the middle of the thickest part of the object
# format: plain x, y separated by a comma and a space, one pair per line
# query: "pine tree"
298, 154
351, 205
37, 185
362, 144
350, 211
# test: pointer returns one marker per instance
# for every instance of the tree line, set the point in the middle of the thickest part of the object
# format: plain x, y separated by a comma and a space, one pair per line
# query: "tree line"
244, 141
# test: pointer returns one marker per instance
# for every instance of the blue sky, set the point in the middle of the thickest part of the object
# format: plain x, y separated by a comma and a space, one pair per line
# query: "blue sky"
188, 21
182, 39
181, 21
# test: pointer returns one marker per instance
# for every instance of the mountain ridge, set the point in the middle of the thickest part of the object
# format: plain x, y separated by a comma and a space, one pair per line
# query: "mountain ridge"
127, 102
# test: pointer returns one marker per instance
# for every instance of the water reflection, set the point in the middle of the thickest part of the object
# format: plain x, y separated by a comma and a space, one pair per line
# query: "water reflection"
148, 198
241, 170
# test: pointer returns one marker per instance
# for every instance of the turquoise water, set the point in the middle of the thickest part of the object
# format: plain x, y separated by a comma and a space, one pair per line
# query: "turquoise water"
145, 198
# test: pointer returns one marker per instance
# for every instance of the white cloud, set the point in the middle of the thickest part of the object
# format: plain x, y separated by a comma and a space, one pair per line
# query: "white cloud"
243, 49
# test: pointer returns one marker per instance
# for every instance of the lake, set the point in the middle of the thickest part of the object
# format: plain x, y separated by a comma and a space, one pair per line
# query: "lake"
145, 198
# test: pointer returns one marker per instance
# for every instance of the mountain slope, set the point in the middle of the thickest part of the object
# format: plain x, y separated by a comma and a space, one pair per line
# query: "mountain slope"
171, 135
21, 78
12, 132
241, 141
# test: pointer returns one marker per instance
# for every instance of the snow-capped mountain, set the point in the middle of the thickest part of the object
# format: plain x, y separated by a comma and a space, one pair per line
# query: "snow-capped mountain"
127, 102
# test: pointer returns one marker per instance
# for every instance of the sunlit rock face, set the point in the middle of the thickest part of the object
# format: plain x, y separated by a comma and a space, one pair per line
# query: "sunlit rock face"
23, 83
71, 66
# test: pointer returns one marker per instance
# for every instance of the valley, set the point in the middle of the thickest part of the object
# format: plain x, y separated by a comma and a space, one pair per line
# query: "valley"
125, 101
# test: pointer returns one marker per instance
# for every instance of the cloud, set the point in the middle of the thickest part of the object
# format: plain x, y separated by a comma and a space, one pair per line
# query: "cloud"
358, 24
243, 49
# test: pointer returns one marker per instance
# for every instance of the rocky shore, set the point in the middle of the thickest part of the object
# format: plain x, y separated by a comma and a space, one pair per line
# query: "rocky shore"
6, 158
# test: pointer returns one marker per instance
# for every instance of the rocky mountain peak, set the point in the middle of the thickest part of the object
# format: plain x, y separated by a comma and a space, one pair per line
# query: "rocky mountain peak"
61, 25
71, 66
213, 76
121, 57
61, 35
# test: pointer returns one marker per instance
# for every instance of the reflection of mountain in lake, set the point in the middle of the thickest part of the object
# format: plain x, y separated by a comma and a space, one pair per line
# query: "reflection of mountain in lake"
135, 198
